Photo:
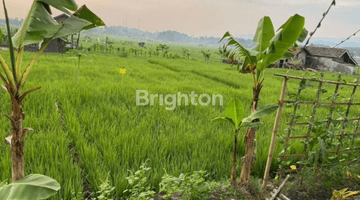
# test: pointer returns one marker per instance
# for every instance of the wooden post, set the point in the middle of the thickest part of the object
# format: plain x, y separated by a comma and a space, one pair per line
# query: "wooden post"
78, 41
275, 130
72, 41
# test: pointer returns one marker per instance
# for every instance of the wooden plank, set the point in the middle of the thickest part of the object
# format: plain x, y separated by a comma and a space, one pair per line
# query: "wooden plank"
8, 140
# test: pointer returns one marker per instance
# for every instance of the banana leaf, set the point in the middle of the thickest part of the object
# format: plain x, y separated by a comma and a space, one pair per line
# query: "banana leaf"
264, 33
85, 13
288, 34
33, 186
39, 23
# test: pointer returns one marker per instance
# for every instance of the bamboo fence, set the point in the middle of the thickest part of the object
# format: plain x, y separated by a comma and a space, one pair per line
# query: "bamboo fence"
310, 125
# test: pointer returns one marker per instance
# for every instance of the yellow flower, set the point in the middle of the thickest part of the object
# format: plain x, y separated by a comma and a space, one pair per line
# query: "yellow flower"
293, 167
122, 71
358, 176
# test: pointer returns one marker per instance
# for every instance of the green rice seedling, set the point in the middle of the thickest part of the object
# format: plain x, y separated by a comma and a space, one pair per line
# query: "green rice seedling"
15, 79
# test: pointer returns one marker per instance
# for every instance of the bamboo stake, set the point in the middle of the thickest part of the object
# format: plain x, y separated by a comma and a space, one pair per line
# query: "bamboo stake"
307, 123
322, 103
333, 105
275, 130
292, 122
312, 117
346, 117
304, 137
355, 134
356, 131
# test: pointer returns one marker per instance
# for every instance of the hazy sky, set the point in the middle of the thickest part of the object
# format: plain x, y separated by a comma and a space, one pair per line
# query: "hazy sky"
215, 17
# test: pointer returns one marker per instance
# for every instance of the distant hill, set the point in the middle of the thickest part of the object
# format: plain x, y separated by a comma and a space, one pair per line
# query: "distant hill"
14, 22
353, 45
331, 42
166, 36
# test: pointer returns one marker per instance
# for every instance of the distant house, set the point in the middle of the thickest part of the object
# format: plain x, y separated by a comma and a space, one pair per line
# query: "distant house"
141, 44
327, 59
57, 45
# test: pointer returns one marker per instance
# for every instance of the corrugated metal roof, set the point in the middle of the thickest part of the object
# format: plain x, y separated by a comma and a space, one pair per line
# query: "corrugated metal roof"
326, 52
329, 52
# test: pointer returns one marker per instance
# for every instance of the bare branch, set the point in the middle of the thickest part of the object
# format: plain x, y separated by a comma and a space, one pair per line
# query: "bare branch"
319, 25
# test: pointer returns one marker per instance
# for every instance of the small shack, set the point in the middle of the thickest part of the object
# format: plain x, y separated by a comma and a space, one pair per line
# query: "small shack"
141, 44
57, 45
327, 59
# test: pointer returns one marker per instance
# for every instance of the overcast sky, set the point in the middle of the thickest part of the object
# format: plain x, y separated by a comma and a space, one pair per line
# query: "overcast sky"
215, 17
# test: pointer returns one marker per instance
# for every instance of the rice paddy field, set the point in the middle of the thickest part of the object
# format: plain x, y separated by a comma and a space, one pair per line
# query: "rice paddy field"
89, 128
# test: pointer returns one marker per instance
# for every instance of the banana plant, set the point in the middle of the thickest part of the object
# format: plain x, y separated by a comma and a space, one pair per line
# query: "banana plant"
38, 26
234, 113
271, 47
206, 55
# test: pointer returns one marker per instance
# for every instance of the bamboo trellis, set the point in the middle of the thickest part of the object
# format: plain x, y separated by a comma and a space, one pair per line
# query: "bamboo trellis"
288, 137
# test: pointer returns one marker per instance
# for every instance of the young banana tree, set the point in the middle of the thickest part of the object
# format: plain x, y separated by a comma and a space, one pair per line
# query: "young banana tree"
38, 26
206, 55
234, 113
271, 47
